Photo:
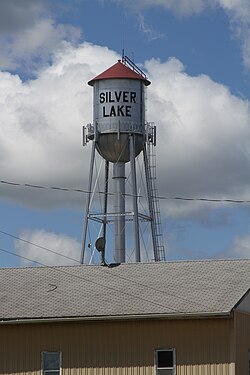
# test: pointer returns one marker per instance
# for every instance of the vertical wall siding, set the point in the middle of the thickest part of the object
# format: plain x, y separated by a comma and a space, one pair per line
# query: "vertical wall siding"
203, 347
242, 339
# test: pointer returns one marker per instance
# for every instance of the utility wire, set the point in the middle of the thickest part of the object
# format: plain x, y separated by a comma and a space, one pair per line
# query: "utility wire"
64, 256
22, 257
57, 269
104, 270
40, 247
167, 294
214, 200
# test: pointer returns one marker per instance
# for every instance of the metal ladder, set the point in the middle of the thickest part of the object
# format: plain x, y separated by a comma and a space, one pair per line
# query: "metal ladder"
153, 191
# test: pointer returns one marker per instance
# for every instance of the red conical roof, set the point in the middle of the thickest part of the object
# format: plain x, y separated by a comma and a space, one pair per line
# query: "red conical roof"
119, 70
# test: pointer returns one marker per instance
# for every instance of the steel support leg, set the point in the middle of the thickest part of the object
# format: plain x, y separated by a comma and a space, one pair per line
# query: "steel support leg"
119, 209
135, 201
85, 224
105, 206
150, 202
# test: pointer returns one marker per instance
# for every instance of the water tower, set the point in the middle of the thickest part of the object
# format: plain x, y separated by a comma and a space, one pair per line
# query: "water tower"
120, 133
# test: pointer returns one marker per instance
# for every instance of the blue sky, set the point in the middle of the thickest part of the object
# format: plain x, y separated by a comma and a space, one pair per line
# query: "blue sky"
196, 54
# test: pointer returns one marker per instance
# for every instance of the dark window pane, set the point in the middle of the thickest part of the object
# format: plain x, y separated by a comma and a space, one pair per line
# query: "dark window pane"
165, 358
51, 361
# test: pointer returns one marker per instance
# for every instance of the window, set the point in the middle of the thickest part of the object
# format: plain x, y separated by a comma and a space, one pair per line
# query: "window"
165, 362
51, 363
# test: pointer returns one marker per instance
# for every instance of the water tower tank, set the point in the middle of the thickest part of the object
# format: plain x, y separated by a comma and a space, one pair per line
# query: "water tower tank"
119, 110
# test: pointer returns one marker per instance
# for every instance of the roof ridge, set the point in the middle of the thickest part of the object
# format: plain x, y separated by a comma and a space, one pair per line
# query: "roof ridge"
131, 264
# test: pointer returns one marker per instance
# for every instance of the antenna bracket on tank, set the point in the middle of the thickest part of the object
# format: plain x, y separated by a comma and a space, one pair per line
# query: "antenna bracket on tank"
150, 133
88, 133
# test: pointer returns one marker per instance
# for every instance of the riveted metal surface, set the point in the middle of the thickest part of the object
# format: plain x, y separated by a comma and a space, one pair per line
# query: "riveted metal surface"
115, 148
119, 110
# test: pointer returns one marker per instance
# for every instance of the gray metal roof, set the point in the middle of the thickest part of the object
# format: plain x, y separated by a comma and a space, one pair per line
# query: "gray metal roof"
132, 289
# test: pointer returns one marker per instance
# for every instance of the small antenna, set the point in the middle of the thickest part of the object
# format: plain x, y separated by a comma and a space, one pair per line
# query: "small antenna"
133, 56
123, 35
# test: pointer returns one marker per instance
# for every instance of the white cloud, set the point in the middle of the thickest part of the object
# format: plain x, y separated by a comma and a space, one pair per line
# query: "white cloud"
151, 33
203, 131
182, 7
29, 35
41, 124
239, 15
241, 247
238, 12
203, 136
34, 47
188, 8
16, 15
62, 249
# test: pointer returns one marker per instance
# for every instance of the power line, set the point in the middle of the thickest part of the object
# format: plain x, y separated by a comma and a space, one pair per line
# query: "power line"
211, 200
39, 246
107, 287
22, 257
44, 187
57, 269
103, 269
167, 294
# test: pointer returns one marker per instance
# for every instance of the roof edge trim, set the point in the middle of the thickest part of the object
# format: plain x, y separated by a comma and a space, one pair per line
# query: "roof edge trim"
241, 299
225, 314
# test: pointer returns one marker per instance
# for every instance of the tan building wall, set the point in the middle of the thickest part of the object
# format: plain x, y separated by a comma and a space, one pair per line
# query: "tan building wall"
203, 347
242, 339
